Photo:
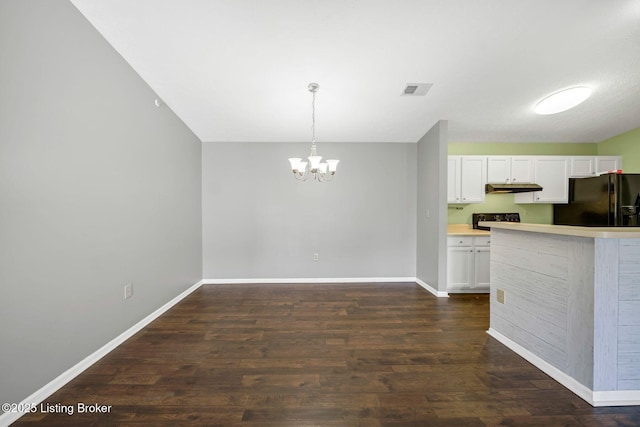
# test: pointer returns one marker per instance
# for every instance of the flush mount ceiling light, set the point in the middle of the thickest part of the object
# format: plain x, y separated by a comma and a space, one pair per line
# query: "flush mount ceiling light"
321, 171
563, 100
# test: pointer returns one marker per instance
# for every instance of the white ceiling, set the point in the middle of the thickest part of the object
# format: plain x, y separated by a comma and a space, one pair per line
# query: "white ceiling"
237, 70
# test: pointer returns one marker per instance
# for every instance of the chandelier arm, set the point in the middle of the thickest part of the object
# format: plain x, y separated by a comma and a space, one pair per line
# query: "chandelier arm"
327, 176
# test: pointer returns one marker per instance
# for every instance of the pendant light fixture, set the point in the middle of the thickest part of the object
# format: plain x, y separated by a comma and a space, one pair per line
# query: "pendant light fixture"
321, 171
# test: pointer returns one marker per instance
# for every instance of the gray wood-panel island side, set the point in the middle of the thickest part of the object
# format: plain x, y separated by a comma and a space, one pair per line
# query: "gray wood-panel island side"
567, 299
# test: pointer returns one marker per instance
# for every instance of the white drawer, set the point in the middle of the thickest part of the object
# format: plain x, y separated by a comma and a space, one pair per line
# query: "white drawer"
459, 241
483, 241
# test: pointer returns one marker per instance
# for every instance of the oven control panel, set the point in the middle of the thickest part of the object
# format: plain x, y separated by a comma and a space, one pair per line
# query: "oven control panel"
509, 217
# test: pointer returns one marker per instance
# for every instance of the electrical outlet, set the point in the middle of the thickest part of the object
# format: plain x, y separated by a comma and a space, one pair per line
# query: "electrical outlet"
316, 257
128, 291
500, 295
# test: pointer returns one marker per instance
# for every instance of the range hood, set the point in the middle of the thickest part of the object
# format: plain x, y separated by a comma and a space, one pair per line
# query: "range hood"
511, 188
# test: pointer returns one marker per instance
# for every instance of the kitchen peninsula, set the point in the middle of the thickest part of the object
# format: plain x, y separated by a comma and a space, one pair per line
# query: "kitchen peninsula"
567, 299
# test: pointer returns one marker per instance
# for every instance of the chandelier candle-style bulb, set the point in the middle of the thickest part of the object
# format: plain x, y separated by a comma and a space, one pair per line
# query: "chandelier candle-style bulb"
321, 171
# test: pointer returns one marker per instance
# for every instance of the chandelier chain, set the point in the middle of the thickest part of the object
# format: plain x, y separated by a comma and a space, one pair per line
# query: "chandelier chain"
313, 117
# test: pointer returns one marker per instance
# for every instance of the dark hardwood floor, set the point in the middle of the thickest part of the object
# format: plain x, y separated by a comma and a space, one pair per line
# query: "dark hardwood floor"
322, 355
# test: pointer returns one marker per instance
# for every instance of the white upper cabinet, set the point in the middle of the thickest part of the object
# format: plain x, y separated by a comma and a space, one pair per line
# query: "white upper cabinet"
472, 179
552, 173
608, 163
498, 170
467, 175
453, 179
509, 169
521, 170
466, 179
585, 166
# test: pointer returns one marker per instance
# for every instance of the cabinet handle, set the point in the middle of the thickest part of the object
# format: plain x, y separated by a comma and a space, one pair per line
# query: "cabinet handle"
460, 241
513, 179
537, 198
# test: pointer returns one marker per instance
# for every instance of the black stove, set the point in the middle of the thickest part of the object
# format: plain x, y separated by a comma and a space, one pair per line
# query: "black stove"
509, 217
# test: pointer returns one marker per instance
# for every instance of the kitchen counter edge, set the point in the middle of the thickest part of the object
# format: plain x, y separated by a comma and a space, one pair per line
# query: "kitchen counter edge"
568, 230
465, 230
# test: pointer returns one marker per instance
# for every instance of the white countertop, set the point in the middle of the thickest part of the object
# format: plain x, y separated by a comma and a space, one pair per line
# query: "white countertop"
568, 230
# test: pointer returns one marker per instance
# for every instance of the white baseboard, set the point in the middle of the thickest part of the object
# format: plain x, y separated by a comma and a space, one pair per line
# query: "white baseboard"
594, 398
616, 398
439, 294
57, 383
469, 291
305, 280
569, 382
328, 280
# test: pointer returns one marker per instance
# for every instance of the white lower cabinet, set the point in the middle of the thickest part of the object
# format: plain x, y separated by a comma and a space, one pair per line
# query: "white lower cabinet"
468, 264
481, 267
459, 267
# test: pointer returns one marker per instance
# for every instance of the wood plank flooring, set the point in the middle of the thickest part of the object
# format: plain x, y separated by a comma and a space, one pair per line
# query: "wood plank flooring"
322, 355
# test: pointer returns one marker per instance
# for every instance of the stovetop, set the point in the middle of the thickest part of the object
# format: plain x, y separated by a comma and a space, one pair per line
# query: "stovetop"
509, 217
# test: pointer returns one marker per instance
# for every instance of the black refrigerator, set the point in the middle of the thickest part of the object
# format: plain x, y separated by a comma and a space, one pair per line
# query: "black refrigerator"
610, 200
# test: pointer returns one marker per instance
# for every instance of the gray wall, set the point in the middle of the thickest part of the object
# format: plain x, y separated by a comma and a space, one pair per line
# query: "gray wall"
431, 263
260, 223
98, 188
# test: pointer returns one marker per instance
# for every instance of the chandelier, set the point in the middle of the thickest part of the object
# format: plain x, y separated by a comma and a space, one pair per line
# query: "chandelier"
321, 171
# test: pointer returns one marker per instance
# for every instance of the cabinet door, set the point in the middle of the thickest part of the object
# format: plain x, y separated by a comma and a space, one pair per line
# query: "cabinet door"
499, 170
482, 262
552, 174
459, 267
607, 163
472, 179
453, 179
583, 166
522, 170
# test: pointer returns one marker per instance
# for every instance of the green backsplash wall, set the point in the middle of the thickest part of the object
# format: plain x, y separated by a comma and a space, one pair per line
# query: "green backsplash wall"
626, 145
534, 213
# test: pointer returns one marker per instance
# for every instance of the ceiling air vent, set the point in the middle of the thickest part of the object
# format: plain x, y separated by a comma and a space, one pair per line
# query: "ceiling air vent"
416, 89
